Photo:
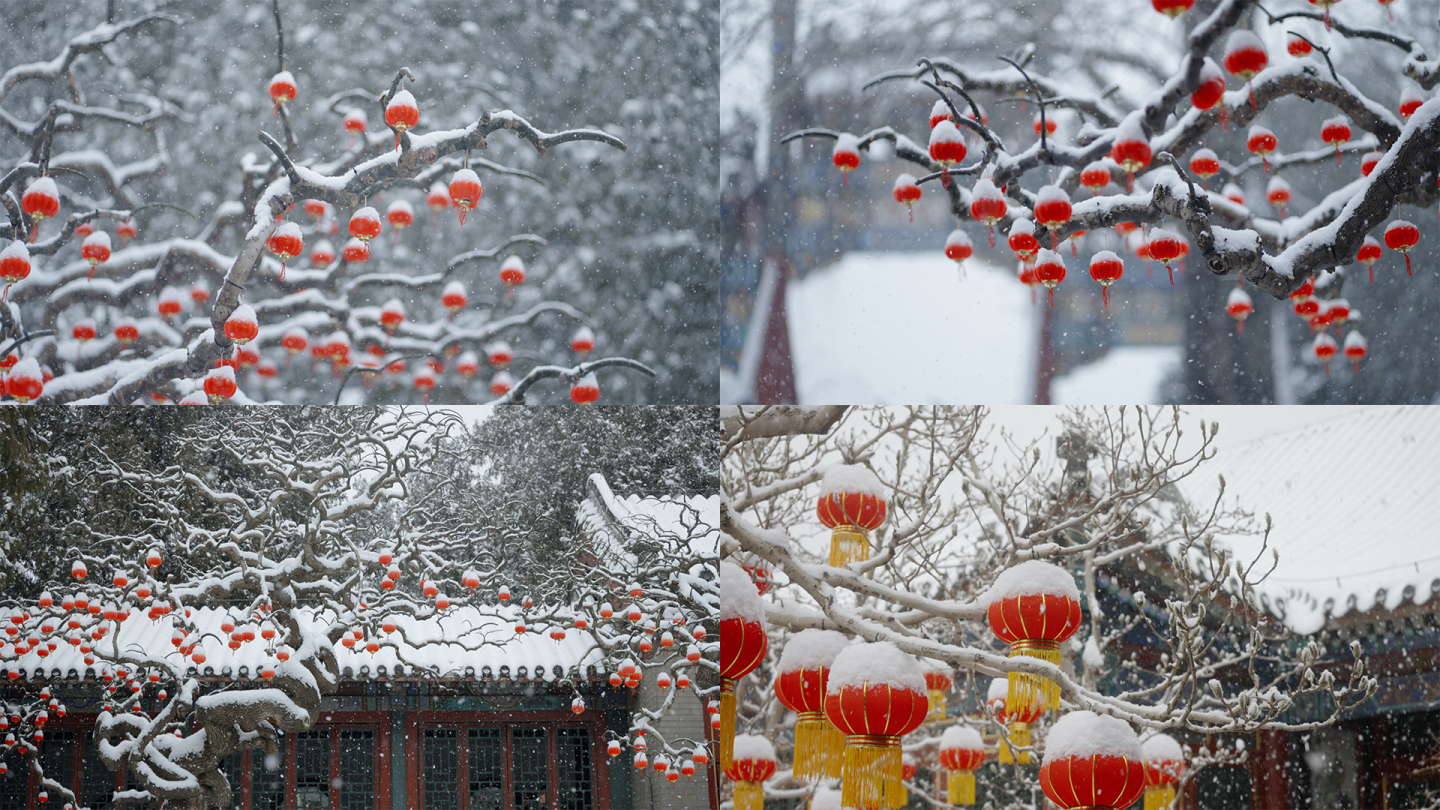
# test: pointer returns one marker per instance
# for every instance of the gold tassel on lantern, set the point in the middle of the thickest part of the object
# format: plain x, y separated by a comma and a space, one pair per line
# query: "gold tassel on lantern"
1027, 689
1159, 797
727, 723
749, 796
960, 788
872, 776
1019, 734
848, 544
819, 748
938, 705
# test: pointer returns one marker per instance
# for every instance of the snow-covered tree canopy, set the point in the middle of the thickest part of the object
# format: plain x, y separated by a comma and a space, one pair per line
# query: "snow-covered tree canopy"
1130, 132
222, 157
229, 589
969, 513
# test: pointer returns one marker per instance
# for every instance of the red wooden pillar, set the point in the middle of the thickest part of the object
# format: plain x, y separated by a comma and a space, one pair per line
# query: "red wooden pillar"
1269, 785
775, 377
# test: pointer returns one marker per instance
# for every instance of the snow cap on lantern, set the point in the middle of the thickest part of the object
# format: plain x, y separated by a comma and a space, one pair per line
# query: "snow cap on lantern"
1092, 761
962, 752
1017, 723
15, 262
754, 762
742, 644
846, 155
1164, 764
25, 381
958, 246
851, 505
802, 675
1033, 607
875, 696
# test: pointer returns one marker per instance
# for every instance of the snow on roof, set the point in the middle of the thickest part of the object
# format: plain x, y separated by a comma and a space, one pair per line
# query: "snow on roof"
739, 599
1030, 578
432, 643
958, 736
851, 478
613, 521
811, 649
1084, 734
875, 664
1349, 498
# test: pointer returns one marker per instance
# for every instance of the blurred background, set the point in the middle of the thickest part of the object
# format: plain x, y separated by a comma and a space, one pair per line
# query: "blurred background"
829, 294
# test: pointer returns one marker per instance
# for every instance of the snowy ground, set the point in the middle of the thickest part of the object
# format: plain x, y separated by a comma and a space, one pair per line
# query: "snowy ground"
888, 328
1126, 375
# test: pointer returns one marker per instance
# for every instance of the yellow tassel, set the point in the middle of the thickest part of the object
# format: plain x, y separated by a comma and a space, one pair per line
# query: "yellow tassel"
727, 723
938, 705
819, 748
848, 544
960, 788
749, 796
1159, 797
872, 778
1027, 690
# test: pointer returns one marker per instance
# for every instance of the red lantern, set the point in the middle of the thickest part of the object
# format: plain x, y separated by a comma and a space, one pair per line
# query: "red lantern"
438, 198
937, 683
1245, 54
1089, 764
1205, 164
1356, 348
1106, 268
465, 191
958, 247
242, 326
947, 147
1233, 193
14, 264
501, 383
78, 571
742, 644
365, 224
499, 354
1261, 141
392, 315
1033, 607
1052, 209
1335, 131
84, 330
754, 762
1131, 149
354, 122
1050, 271
512, 272
1297, 46
1022, 239
400, 215
851, 505
1171, 9
846, 155
907, 192
286, 243
583, 341
1095, 176
282, 88
96, 249
1410, 101
41, 200
1401, 235
1239, 306
26, 381
355, 251
987, 205
1017, 723
402, 113
1277, 192
1369, 161
875, 696
1211, 88
804, 672
1164, 246
126, 231
1164, 764
1050, 124
1325, 348
585, 390
962, 752
453, 297
220, 384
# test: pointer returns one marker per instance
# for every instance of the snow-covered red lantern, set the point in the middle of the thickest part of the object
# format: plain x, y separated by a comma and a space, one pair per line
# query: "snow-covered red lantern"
1021, 239
803, 673
282, 88
1211, 88
316, 208
1095, 176
499, 354
355, 122
1410, 101
392, 315
583, 341
1205, 164
442, 602
84, 330
286, 243
1355, 348
512, 273
846, 155
26, 381
1049, 271
1261, 141
1324, 348
430, 589
1052, 209
200, 292
84, 229
400, 215
322, 254
613, 748
939, 111
742, 644
947, 147
402, 113
78, 572
453, 297
987, 205
557, 634
1164, 764
875, 696
687, 768
438, 197
1017, 723
1106, 268
170, 303
682, 680
14, 263
585, 390
355, 251
1401, 235
754, 762
938, 682
962, 752
242, 325
851, 504
501, 383
266, 368
606, 611
701, 755
907, 192
282, 653
1033, 607
465, 191
1171, 9
1245, 54
120, 580
1233, 193
41, 199
1050, 125
96, 249
1297, 46
365, 224
1277, 192
662, 680
958, 246
1165, 246
1131, 148
295, 340
1239, 306
1335, 131
1369, 161
1092, 761
470, 579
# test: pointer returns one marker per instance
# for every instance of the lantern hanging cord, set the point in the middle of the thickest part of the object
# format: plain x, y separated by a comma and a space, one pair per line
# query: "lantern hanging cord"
279, 36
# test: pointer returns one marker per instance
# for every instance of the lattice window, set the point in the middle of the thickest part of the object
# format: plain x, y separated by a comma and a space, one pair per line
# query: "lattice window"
231, 766
14, 784
575, 772
357, 769
57, 757
267, 781
97, 782
487, 786
531, 766
440, 758
312, 770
